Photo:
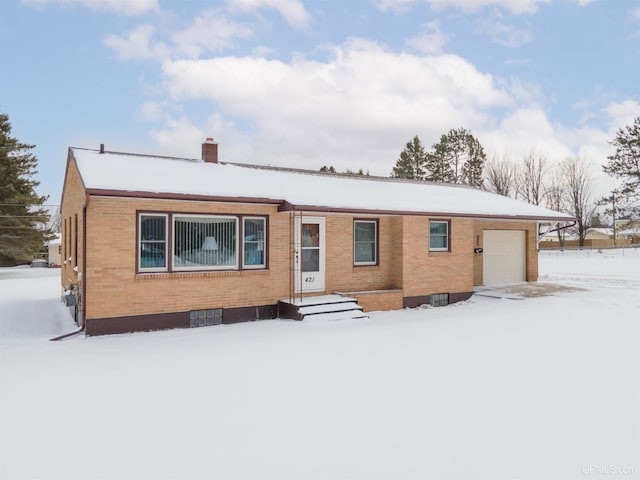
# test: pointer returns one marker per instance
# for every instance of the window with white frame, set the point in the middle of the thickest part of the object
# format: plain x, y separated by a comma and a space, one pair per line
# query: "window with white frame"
152, 251
365, 234
253, 243
438, 236
204, 242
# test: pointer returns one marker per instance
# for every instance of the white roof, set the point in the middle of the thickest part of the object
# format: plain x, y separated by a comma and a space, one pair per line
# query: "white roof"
122, 172
57, 240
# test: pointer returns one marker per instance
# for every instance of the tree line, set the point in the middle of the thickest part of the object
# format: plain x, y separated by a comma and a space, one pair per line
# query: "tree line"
458, 157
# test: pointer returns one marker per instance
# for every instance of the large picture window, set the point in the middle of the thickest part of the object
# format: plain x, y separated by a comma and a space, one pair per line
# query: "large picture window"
364, 242
188, 242
204, 242
438, 236
253, 246
153, 242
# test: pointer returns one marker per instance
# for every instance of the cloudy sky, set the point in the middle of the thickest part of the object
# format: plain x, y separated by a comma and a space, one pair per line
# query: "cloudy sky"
308, 83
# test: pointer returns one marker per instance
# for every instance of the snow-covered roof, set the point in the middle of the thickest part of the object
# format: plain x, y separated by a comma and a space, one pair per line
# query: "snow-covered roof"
292, 189
57, 240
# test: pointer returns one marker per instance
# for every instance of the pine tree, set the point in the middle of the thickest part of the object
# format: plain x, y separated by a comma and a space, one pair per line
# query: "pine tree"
624, 164
457, 158
411, 162
23, 220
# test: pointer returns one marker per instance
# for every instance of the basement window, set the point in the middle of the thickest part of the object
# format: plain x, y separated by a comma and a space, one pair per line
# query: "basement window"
203, 318
439, 299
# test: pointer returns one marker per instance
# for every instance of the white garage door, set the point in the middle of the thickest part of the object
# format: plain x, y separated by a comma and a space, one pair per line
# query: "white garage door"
504, 256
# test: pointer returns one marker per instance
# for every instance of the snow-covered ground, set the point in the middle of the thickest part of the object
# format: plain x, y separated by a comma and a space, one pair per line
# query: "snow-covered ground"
545, 387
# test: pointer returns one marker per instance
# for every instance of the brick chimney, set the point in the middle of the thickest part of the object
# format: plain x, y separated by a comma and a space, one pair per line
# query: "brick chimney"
210, 151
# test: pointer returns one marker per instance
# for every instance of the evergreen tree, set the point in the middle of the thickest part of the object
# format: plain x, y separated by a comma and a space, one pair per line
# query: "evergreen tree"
23, 220
624, 164
457, 158
412, 160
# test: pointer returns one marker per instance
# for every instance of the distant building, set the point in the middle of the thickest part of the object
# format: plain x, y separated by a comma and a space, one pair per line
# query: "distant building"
54, 251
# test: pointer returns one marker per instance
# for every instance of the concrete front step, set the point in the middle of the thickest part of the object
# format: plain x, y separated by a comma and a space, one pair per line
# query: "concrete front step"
318, 300
329, 307
351, 315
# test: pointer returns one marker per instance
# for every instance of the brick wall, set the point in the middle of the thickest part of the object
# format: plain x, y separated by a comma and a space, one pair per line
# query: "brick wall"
426, 272
73, 199
115, 289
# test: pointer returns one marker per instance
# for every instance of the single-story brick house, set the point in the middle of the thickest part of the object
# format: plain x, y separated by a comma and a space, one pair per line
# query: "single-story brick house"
154, 242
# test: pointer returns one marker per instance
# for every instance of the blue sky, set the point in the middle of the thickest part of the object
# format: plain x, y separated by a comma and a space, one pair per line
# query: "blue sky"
310, 83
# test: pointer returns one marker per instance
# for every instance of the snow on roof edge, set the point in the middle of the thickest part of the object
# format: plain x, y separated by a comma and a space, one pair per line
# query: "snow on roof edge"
163, 176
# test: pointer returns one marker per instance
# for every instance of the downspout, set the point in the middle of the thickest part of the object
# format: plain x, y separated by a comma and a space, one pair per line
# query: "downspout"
84, 276
561, 228
556, 229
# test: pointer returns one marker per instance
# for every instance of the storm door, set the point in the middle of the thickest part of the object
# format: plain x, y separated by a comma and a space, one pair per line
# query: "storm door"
310, 254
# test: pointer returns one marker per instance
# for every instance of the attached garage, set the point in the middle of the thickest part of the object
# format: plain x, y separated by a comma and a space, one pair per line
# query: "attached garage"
504, 256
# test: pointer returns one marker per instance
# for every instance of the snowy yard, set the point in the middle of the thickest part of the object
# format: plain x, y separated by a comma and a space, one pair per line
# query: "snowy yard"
494, 388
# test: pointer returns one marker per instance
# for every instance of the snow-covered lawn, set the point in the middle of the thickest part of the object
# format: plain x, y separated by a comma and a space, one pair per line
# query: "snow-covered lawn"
544, 387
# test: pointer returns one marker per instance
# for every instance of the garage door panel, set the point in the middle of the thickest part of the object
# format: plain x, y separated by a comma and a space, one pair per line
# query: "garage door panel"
504, 256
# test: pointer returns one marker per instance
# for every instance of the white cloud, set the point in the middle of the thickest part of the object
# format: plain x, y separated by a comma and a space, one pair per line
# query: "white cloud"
396, 6
516, 7
346, 110
635, 13
503, 33
151, 111
293, 11
122, 7
431, 40
211, 31
621, 114
522, 131
137, 44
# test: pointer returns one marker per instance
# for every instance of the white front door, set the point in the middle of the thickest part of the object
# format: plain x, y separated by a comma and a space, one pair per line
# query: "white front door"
309, 254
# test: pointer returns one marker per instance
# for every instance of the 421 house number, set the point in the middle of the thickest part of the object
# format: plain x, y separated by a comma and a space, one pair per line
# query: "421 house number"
309, 279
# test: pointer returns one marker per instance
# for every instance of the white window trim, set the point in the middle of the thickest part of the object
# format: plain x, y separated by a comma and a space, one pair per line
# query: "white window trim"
263, 265
375, 242
166, 242
439, 249
175, 268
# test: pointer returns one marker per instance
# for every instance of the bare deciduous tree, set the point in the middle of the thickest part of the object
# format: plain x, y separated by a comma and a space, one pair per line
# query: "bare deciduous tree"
575, 171
530, 178
556, 199
500, 175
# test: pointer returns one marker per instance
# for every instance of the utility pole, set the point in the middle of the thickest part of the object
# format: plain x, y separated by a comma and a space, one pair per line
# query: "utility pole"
613, 204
